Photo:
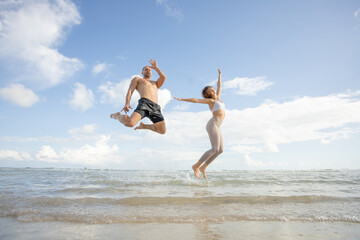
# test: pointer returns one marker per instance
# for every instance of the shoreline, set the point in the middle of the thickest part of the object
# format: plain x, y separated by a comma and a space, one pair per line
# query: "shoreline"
14, 229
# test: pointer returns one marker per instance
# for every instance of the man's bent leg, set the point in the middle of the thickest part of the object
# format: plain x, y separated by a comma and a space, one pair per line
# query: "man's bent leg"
158, 127
129, 121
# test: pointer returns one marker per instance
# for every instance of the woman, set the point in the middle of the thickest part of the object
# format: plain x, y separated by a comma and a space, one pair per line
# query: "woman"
212, 98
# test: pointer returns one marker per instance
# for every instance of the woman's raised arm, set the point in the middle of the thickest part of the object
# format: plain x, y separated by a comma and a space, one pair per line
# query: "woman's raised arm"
218, 91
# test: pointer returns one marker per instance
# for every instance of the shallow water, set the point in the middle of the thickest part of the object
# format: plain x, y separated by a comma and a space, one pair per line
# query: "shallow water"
119, 196
255, 230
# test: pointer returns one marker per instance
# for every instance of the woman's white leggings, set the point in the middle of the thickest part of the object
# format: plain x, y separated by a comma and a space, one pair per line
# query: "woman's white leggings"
216, 139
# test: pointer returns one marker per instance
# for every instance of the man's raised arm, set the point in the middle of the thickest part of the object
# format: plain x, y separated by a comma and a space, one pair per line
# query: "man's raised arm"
162, 77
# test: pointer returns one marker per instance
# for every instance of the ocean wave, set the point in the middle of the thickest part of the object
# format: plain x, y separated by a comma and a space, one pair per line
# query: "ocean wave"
181, 209
96, 196
220, 182
226, 200
109, 218
143, 201
92, 190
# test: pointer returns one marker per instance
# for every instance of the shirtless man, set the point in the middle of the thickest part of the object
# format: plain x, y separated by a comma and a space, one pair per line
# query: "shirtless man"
148, 103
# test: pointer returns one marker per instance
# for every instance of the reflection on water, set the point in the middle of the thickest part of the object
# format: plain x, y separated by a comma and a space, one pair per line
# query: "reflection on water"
209, 231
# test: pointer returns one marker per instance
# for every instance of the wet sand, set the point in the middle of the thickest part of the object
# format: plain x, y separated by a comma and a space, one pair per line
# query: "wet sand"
14, 229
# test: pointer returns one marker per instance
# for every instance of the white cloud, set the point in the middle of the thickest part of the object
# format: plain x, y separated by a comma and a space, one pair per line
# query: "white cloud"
246, 149
47, 154
19, 95
99, 154
115, 94
170, 10
14, 155
264, 128
181, 107
164, 97
303, 119
44, 139
31, 32
247, 86
86, 133
88, 129
82, 99
172, 153
251, 162
248, 134
183, 130
100, 67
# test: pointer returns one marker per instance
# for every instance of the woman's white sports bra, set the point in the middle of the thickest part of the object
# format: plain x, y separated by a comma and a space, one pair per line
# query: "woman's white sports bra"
218, 106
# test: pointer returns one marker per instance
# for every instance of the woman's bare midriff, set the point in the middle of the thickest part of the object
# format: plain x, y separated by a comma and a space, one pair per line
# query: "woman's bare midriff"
219, 114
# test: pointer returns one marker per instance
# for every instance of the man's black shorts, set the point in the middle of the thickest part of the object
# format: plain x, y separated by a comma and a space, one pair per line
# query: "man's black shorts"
149, 109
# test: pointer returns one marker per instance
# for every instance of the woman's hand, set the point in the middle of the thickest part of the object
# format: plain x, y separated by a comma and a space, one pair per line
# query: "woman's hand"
219, 71
180, 99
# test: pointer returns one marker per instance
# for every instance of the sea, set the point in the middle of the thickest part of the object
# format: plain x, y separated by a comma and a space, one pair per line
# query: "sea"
99, 196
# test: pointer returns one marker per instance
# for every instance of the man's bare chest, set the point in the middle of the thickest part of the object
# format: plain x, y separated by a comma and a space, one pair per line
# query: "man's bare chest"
147, 84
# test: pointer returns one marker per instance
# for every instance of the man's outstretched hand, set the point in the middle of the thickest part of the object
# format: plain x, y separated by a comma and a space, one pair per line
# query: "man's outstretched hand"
153, 63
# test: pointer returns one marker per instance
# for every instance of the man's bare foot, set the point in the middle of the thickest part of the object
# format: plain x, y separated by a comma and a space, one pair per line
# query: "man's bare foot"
141, 126
202, 170
121, 117
196, 172
115, 115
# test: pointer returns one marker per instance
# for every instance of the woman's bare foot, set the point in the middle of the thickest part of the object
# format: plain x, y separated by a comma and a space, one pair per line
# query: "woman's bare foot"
202, 170
196, 171
141, 126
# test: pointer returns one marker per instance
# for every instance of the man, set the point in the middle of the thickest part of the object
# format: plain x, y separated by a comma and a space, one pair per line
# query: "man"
148, 103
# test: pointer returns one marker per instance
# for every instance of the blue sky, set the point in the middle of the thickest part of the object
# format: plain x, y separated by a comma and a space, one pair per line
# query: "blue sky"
291, 82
